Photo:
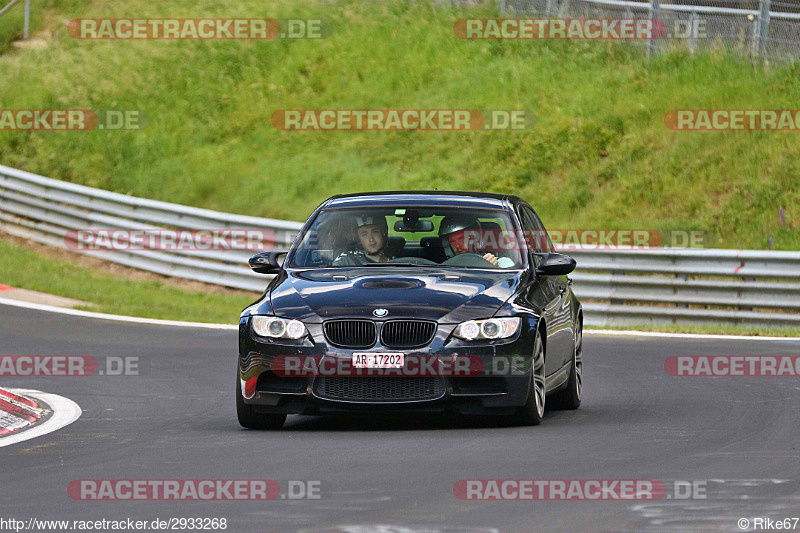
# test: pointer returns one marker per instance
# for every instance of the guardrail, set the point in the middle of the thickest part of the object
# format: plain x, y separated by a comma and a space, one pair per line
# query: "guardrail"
689, 286
654, 286
44, 210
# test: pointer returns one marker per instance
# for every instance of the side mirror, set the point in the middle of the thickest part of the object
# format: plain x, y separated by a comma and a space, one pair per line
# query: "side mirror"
553, 264
268, 262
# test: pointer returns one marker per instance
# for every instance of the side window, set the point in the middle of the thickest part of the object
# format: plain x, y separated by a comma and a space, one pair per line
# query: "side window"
548, 244
535, 235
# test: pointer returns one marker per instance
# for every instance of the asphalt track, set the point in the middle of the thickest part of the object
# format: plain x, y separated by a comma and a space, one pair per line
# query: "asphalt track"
739, 437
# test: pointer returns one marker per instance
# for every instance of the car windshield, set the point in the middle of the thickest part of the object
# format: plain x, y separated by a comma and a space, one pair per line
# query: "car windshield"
415, 236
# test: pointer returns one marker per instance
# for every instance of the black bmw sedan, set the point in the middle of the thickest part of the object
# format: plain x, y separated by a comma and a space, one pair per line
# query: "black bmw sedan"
413, 300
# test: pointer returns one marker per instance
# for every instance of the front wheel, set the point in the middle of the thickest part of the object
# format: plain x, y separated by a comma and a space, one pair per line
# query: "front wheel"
532, 413
248, 418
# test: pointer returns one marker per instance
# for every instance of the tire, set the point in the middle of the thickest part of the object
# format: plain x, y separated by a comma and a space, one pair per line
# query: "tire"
570, 397
249, 419
532, 413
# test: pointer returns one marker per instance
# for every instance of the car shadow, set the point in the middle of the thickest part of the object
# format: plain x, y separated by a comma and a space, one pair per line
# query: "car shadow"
391, 422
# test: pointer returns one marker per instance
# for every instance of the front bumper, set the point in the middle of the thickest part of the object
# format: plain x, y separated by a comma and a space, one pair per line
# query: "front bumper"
500, 388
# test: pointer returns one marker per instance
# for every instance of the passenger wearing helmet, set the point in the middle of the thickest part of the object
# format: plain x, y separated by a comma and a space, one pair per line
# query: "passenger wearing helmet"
372, 234
461, 233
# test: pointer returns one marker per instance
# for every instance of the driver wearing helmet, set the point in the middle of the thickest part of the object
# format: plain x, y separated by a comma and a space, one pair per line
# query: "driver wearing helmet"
461, 233
373, 236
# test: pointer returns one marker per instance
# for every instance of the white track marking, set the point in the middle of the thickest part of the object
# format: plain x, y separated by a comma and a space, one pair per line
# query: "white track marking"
118, 318
633, 333
175, 323
65, 412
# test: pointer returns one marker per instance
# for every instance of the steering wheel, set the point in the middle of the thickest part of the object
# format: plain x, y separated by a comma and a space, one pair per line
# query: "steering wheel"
469, 259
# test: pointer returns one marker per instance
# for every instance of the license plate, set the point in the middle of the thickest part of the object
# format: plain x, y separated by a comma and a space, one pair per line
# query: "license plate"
378, 360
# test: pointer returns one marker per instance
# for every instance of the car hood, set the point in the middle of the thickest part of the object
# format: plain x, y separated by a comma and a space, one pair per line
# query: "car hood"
444, 295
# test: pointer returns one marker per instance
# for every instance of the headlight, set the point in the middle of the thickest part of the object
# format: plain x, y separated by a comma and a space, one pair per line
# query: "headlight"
492, 328
278, 328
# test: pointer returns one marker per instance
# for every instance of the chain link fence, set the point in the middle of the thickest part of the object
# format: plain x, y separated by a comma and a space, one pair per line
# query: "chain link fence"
768, 29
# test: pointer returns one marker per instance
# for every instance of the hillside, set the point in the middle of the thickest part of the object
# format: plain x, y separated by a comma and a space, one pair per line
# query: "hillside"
599, 156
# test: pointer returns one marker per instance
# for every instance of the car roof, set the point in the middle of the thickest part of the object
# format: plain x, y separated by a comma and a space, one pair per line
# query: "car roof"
438, 198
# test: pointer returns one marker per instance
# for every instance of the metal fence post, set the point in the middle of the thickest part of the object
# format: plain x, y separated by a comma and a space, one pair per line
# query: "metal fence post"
756, 38
655, 13
763, 27
27, 19
694, 20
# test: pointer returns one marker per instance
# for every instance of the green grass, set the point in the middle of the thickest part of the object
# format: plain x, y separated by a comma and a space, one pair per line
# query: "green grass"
24, 268
703, 329
599, 156
10, 28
